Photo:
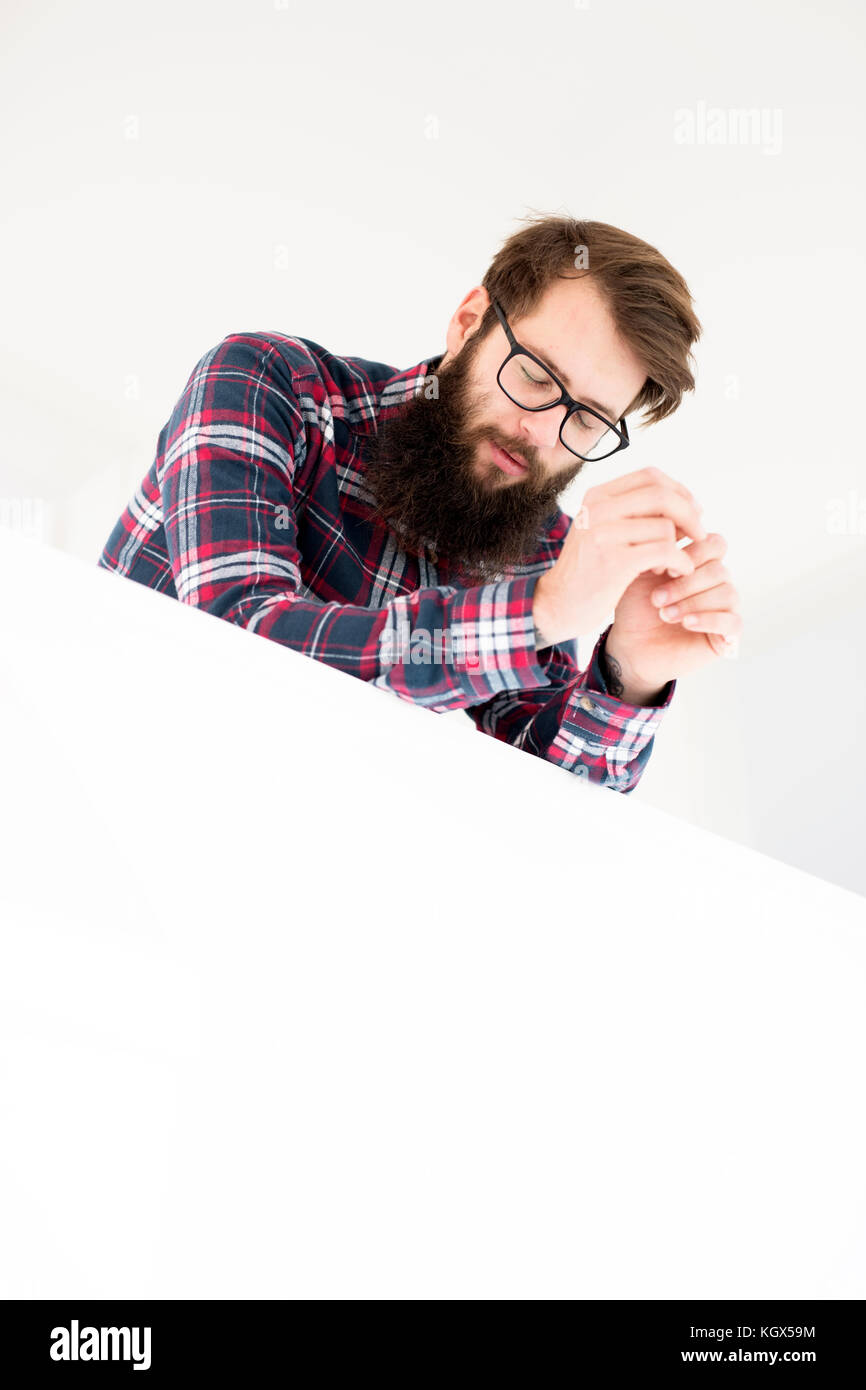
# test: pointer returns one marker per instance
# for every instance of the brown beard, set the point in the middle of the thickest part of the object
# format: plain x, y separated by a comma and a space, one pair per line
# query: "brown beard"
420, 471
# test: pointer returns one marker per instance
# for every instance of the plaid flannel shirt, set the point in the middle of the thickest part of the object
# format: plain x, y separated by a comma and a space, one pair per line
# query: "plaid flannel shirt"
255, 509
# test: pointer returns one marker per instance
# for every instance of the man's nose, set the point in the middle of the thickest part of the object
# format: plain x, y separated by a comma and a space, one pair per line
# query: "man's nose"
542, 427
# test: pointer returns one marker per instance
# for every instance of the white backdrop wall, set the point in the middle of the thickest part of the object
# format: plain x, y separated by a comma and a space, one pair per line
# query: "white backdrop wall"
179, 171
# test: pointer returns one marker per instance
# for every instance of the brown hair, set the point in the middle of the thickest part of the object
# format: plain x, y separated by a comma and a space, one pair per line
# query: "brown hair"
649, 300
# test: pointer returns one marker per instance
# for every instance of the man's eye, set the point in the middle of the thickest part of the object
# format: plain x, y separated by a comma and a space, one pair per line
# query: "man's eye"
534, 381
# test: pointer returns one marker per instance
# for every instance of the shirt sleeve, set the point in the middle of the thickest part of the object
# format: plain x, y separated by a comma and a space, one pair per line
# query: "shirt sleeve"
574, 721
227, 461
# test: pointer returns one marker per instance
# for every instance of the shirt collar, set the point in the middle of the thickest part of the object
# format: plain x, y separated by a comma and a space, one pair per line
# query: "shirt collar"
403, 385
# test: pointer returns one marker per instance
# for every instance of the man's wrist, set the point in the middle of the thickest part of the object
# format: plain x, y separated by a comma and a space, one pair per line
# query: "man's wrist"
544, 623
621, 680
540, 640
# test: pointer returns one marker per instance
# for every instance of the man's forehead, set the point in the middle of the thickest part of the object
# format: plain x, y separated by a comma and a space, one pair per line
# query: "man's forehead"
573, 331
568, 308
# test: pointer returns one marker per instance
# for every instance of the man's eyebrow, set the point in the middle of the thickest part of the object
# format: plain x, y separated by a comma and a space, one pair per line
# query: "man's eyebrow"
585, 400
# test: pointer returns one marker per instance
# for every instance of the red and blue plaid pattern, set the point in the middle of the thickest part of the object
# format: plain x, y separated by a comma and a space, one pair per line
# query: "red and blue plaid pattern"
255, 509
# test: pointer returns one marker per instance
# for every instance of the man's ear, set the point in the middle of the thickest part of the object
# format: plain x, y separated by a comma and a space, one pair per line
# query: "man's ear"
467, 318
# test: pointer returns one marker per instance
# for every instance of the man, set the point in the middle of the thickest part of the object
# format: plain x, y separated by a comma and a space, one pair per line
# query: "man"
403, 526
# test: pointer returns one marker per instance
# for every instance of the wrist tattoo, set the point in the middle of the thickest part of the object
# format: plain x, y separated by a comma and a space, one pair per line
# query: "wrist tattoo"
612, 672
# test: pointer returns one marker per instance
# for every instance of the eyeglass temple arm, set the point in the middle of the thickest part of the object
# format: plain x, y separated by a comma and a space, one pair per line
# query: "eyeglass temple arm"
502, 319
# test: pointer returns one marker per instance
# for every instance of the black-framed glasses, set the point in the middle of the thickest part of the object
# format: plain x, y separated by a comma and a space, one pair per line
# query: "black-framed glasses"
530, 384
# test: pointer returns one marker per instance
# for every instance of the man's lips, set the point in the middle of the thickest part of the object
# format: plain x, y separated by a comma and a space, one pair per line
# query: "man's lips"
507, 462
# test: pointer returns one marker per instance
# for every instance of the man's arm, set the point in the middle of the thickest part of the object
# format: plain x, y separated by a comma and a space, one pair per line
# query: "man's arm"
227, 462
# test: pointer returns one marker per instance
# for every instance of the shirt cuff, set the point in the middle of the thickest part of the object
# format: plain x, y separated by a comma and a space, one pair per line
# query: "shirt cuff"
594, 697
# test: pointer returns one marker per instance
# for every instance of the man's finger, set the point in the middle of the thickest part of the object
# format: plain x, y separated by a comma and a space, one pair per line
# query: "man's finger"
712, 547
725, 623
645, 477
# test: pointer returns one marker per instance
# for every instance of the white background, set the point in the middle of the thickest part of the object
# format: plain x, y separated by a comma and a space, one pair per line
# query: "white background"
178, 171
